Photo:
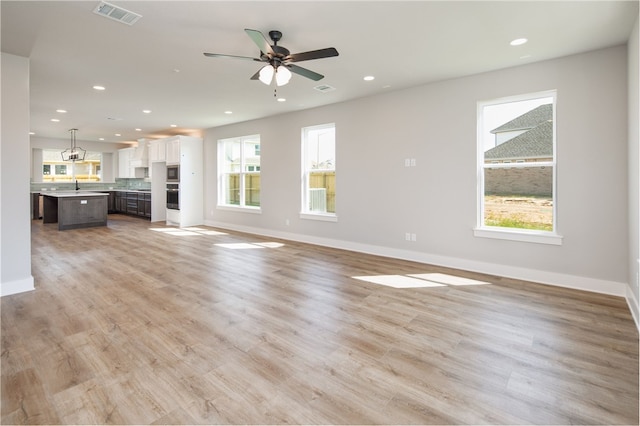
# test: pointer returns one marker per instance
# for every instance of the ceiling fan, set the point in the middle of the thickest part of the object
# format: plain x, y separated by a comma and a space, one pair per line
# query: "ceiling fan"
279, 60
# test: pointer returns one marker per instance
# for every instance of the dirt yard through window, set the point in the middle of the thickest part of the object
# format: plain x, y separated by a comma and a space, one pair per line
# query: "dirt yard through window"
519, 212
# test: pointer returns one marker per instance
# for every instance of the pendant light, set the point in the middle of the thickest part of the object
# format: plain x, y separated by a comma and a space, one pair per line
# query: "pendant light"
74, 153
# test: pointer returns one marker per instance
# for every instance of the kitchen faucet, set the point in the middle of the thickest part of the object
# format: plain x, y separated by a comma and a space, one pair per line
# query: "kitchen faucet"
77, 186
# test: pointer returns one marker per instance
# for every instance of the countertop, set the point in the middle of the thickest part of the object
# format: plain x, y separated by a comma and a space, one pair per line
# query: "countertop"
97, 191
71, 194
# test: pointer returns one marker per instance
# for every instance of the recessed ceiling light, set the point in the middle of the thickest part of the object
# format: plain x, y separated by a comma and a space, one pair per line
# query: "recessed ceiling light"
32, 133
55, 120
228, 112
61, 111
146, 111
174, 125
518, 41
138, 130
100, 139
99, 87
282, 100
117, 134
369, 78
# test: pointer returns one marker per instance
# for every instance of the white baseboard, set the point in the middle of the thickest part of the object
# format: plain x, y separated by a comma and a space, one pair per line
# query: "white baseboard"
634, 306
17, 286
543, 277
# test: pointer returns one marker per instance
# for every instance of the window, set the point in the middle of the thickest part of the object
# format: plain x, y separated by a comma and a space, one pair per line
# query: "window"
56, 170
239, 172
319, 172
516, 168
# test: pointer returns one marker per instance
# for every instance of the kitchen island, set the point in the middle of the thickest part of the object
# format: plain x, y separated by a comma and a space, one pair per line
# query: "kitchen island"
76, 209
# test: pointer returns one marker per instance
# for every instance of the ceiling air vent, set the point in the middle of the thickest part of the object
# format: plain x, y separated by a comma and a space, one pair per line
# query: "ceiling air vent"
324, 88
116, 13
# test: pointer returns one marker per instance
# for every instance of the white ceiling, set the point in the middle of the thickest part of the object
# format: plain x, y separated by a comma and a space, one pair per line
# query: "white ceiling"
157, 63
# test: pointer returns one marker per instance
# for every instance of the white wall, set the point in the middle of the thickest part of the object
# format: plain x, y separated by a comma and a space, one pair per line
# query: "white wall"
634, 173
378, 199
15, 216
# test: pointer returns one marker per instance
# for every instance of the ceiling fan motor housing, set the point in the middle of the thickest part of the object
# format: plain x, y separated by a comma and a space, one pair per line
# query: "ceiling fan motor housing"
275, 35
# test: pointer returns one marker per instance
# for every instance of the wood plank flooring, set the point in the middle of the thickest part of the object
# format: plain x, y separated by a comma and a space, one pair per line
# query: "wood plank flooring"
134, 325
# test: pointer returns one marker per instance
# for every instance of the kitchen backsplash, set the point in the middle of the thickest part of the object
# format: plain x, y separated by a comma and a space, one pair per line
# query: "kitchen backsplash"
120, 183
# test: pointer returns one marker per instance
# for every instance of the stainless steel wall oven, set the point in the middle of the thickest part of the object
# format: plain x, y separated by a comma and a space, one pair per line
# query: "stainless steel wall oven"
173, 196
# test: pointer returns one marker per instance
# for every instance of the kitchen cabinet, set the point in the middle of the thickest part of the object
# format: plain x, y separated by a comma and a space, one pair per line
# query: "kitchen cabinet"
121, 202
144, 205
173, 149
186, 151
157, 151
75, 210
111, 202
124, 163
133, 203
132, 162
147, 205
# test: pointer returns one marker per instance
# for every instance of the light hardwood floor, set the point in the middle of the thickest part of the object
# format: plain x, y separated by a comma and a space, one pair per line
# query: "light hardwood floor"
132, 325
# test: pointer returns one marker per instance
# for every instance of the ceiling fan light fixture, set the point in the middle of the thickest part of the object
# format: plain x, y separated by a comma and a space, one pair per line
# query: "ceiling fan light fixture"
266, 74
283, 75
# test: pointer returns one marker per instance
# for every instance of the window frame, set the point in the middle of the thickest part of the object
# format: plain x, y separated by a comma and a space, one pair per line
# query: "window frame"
305, 213
72, 169
515, 234
222, 191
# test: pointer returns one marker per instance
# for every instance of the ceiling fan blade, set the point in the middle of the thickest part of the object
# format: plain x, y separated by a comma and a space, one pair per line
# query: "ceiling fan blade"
313, 54
256, 76
260, 41
305, 72
220, 55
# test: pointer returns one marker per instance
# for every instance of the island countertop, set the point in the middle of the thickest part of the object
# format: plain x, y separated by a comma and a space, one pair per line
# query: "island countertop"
82, 194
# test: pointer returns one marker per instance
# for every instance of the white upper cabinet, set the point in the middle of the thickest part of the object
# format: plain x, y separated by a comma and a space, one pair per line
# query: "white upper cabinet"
157, 151
173, 150
124, 163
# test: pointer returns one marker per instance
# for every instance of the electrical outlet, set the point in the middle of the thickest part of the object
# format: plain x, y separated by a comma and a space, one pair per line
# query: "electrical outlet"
407, 236
407, 162
413, 237
413, 162
286, 222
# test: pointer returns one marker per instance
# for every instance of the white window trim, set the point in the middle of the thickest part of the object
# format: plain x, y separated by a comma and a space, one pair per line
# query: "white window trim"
243, 209
232, 207
324, 217
515, 234
309, 215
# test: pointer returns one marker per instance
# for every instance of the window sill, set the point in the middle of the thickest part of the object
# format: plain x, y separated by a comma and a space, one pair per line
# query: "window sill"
523, 235
319, 216
254, 210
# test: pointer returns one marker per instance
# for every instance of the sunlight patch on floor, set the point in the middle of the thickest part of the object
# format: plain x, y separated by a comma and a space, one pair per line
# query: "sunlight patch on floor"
447, 279
419, 280
190, 231
243, 246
